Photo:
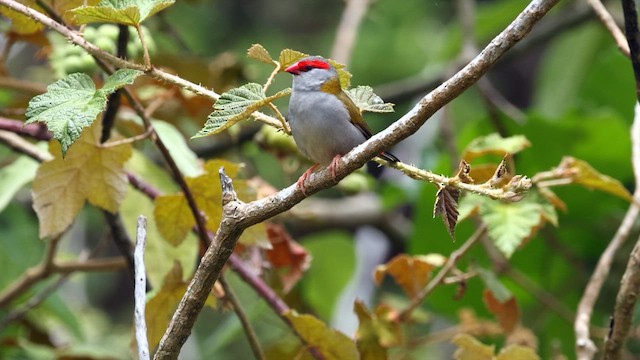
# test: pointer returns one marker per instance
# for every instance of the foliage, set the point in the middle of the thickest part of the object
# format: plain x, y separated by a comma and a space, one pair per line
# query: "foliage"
159, 151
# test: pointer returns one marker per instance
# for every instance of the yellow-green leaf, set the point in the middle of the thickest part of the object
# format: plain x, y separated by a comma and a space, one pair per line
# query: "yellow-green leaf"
376, 332
126, 12
289, 57
469, 348
89, 172
332, 344
584, 174
517, 352
496, 145
236, 105
258, 52
173, 217
160, 256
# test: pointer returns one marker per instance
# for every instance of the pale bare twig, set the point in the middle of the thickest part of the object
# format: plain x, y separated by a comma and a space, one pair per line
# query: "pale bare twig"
607, 20
140, 294
347, 31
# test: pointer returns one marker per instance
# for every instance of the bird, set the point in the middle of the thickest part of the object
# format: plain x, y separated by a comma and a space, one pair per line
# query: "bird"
325, 123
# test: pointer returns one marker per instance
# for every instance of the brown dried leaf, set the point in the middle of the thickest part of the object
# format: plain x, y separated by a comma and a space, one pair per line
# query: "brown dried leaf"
412, 273
464, 172
447, 206
500, 176
507, 312
288, 258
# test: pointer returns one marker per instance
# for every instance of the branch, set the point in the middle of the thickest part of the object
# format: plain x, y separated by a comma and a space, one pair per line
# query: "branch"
347, 32
448, 266
140, 290
242, 316
122, 63
237, 216
607, 20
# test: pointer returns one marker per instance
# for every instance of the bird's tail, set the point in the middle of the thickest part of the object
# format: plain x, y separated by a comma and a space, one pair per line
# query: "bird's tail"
389, 157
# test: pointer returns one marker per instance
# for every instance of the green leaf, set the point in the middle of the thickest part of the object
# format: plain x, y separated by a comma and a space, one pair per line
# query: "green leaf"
126, 12
491, 282
510, 223
496, 145
366, 100
186, 159
289, 57
235, 105
333, 344
119, 79
73, 103
16, 175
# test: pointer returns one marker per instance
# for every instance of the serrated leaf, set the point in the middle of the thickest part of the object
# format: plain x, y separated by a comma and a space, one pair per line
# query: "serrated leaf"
72, 104
163, 303
496, 145
510, 224
126, 12
119, 79
412, 273
89, 172
446, 206
332, 344
584, 174
366, 100
469, 348
507, 312
235, 105
289, 57
258, 52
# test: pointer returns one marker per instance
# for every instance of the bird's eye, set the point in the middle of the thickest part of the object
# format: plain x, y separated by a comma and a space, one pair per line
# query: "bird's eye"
308, 67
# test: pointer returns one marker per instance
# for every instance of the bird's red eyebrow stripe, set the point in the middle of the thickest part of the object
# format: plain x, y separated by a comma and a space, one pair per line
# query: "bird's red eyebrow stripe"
316, 64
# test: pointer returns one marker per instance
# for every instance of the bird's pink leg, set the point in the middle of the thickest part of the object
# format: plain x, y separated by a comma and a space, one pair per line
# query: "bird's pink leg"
334, 165
305, 176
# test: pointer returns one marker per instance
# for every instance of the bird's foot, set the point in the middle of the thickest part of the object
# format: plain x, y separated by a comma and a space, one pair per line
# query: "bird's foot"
333, 167
305, 176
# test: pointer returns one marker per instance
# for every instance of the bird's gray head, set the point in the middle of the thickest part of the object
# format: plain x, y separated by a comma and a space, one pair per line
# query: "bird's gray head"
310, 73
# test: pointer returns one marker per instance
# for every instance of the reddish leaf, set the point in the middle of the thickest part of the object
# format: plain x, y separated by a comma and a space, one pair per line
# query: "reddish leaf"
410, 272
288, 257
507, 312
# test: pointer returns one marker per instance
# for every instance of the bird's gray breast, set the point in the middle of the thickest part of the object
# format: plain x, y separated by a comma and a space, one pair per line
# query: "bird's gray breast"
321, 126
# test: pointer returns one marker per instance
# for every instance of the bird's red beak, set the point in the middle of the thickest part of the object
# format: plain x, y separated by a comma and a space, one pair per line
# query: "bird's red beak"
293, 69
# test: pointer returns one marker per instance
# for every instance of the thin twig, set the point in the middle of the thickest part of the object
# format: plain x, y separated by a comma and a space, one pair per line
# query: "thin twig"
140, 293
347, 31
145, 48
607, 20
244, 320
442, 274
